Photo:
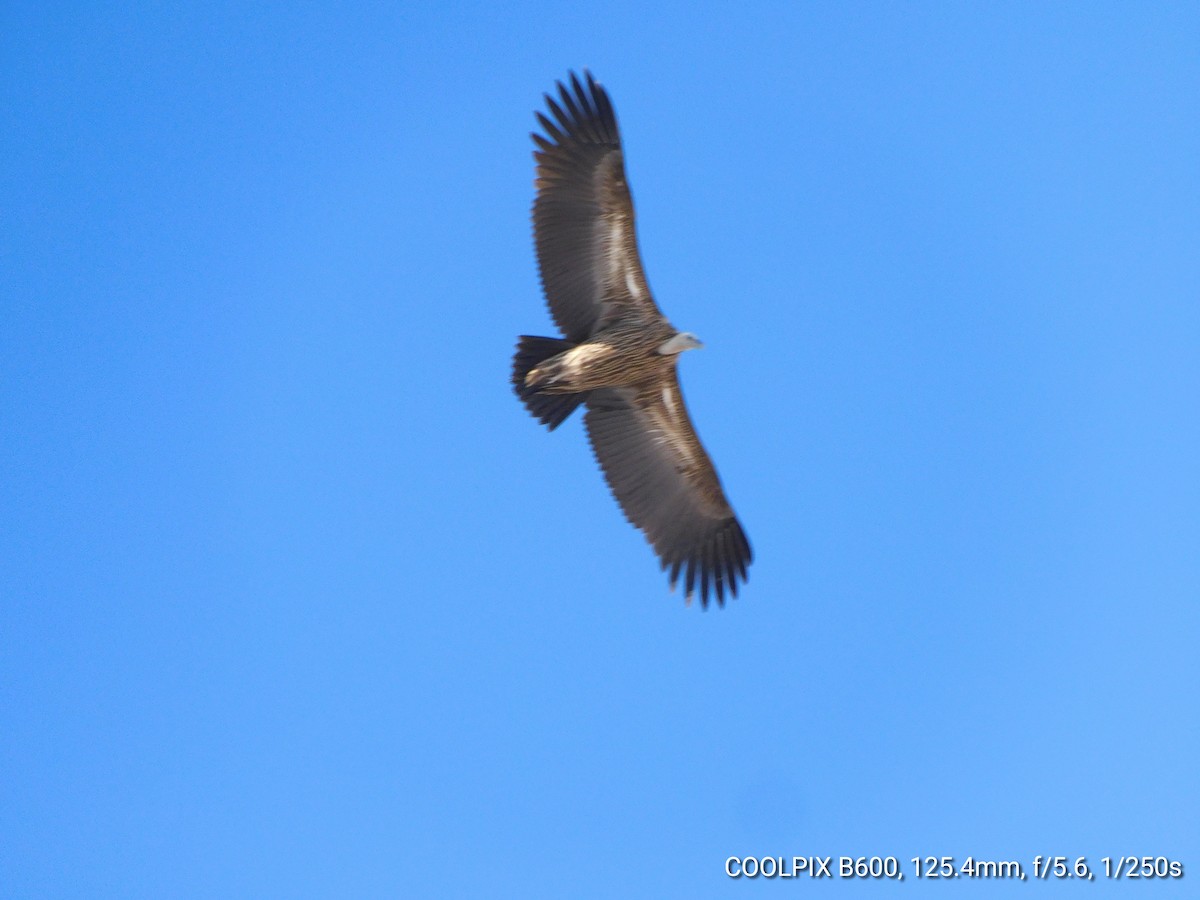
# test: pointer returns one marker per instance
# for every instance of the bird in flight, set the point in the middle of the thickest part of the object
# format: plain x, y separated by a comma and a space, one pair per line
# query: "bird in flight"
618, 354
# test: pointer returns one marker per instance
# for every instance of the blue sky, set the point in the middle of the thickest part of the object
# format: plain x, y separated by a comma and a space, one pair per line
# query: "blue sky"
298, 600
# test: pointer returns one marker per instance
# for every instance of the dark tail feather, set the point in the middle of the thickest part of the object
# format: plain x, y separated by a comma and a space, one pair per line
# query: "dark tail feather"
549, 409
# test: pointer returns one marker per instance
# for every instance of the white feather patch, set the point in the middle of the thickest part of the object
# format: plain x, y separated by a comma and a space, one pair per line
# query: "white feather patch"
669, 403
631, 286
618, 265
667, 434
582, 355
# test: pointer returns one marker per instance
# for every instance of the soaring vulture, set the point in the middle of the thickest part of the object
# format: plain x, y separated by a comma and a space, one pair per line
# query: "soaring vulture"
618, 353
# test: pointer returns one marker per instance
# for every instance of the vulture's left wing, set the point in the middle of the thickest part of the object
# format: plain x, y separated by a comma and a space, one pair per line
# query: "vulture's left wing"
667, 486
583, 214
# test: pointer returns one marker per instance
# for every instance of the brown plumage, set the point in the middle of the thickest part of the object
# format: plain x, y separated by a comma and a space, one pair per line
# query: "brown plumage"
618, 353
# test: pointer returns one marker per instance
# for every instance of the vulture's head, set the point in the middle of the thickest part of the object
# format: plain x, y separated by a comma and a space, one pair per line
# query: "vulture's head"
684, 340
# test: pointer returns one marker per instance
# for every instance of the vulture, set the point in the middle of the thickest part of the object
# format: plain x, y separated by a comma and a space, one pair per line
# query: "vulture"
618, 354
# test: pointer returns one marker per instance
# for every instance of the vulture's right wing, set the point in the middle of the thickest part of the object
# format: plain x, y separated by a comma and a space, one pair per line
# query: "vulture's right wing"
667, 486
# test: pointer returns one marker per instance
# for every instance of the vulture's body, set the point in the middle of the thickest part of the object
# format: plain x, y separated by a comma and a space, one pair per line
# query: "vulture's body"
618, 353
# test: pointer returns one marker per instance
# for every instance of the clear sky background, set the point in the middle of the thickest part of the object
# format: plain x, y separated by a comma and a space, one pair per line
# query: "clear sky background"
297, 600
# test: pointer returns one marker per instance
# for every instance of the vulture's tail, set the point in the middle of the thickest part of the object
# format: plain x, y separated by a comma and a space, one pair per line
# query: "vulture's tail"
549, 409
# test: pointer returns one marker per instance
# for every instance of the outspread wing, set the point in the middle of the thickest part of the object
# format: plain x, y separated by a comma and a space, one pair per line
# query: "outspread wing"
583, 214
667, 486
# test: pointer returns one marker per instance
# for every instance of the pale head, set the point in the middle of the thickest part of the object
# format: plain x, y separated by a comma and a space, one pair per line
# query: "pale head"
683, 340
